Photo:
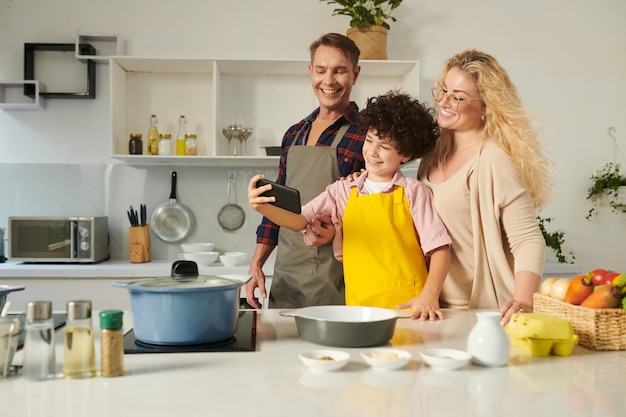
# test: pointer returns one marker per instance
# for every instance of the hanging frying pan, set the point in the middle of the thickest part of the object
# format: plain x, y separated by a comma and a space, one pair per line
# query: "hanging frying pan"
172, 221
231, 217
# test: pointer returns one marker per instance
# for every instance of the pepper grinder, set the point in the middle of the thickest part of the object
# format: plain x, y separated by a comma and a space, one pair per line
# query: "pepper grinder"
39, 359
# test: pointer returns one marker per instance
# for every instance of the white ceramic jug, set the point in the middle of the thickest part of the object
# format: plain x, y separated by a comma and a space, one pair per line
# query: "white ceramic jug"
487, 342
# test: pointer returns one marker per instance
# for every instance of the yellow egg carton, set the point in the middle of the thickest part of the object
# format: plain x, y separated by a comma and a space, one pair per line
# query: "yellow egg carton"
542, 334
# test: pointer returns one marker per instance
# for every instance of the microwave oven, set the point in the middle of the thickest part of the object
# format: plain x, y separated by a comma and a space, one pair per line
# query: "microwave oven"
58, 239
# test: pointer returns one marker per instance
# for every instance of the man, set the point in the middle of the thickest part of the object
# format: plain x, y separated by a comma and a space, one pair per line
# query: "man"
316, 151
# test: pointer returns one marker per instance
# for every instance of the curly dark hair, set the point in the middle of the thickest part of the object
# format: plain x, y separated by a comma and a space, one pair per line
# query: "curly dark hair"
402, 119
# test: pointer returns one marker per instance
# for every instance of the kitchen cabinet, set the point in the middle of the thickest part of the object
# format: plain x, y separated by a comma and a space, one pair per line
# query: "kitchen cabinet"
209, 92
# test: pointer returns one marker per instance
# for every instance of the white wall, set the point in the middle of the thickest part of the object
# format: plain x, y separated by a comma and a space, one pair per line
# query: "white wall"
565, 56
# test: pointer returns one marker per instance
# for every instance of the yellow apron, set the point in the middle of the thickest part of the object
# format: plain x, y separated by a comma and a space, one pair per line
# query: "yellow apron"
382, 259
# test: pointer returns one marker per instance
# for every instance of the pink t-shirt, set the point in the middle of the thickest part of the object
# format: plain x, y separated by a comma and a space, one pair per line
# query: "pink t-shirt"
431, 232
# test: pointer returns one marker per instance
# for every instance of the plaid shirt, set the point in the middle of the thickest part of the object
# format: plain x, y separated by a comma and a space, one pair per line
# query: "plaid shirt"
349, 156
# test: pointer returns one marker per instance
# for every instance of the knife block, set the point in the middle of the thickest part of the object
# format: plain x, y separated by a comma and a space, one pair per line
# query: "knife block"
139, 239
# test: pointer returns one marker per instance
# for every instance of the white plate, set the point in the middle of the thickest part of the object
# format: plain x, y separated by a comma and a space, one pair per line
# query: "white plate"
446, 359
386, 359
313, 359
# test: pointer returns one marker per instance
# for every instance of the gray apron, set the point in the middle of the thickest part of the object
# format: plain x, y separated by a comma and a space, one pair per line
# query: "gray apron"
305, 276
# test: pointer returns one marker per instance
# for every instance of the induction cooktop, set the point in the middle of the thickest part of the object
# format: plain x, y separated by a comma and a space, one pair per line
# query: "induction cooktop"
244, 340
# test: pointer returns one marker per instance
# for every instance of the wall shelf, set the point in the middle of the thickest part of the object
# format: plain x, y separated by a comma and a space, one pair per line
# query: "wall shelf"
31, 50
273, 93
11, 99
112, 43
216, 161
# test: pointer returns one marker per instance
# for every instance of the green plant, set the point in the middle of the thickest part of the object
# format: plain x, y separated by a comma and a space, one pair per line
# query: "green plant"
606, 182
555, 240
366, 12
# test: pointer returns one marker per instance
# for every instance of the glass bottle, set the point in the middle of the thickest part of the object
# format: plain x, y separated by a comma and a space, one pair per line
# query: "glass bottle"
135, 144
180, 136
39, 359
79, 360
191, 144
165, 144
111, 343
153, 136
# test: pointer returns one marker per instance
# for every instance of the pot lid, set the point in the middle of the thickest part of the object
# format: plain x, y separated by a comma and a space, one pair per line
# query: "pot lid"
184, 278
5, 289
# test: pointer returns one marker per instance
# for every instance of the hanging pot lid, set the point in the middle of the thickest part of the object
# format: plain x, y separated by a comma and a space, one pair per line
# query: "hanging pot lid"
184, 278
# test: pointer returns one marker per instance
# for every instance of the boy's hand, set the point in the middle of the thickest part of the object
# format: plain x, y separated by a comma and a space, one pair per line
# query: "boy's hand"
254, 194
423, 308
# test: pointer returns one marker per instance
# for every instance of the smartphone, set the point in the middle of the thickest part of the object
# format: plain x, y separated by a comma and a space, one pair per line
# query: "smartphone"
286, 197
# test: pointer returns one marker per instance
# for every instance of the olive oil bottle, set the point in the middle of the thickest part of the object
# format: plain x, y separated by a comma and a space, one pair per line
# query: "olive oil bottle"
79, 360
153, 136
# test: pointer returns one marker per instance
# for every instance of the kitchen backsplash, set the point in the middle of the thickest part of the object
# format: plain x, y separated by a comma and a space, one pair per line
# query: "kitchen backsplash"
109, 190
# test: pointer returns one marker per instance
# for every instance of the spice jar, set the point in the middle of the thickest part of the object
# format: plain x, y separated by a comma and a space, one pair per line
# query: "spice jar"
111, 343
135, 144
79, 360
39, 360
165, 144
191, 144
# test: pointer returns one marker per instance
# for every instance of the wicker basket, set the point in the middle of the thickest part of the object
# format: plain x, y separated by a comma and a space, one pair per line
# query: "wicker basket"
597, 329
371, 40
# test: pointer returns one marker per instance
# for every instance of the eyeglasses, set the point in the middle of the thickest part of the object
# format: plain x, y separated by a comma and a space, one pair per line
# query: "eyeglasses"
455, 101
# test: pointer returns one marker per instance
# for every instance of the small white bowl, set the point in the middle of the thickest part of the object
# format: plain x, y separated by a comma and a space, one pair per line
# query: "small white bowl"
386, 359
236, 254
446, 359
229, 261
197, 247
324, 360
202, 258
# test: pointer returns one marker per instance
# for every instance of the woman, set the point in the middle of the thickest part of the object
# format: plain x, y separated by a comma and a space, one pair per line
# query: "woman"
488, 177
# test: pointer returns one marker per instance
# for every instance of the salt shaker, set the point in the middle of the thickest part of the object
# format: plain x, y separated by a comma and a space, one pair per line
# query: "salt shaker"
79, 359
39, 359
112, 343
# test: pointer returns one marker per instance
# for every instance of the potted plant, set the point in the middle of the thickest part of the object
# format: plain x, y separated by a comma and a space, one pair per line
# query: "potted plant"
607, 182
554, 241
368, 24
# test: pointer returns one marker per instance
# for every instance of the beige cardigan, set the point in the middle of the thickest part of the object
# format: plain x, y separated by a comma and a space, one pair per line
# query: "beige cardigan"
499, 248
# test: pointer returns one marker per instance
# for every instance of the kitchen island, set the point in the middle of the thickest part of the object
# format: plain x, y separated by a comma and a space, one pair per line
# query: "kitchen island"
271, 381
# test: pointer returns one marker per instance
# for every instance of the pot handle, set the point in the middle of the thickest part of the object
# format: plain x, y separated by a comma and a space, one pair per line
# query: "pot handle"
287, 313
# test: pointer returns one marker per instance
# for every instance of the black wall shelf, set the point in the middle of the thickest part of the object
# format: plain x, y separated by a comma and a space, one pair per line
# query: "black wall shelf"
30, 50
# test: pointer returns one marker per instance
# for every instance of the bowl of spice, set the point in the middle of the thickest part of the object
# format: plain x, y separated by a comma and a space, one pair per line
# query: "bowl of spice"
324, 360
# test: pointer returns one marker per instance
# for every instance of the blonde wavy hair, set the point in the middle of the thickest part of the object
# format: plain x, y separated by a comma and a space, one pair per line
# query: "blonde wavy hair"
506, 124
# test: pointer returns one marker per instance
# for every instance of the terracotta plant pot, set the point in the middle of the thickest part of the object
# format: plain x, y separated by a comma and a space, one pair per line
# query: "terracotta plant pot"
371, 40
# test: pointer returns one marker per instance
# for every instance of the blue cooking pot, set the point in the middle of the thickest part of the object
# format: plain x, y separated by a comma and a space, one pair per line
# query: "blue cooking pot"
184, 308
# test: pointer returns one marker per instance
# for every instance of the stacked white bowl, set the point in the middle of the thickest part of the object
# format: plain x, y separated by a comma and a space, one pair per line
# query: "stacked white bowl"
231, 259
200, 253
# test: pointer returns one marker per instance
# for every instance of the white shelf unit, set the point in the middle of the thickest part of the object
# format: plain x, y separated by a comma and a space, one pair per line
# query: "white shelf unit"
12, 99
274, 93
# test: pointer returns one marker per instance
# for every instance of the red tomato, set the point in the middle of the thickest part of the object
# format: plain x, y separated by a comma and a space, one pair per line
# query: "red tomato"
602, 276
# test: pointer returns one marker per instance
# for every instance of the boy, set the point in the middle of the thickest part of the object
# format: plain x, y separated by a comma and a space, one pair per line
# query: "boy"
385, 223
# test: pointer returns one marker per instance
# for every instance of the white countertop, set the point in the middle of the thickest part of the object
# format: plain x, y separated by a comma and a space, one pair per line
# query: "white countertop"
273, 382
112, 268
123, 268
